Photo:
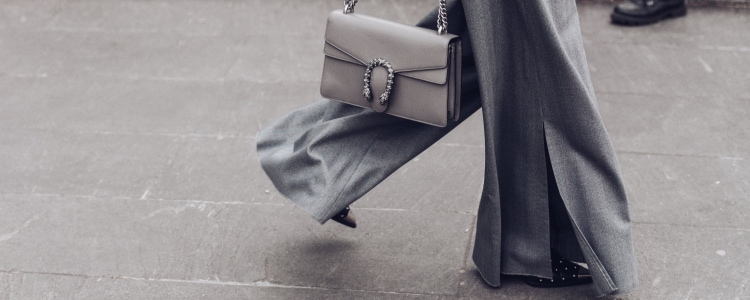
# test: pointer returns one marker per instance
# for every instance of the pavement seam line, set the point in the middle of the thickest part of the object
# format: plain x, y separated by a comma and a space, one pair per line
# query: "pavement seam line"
680, 155
691, 226
208, 202
261, 284
239, 203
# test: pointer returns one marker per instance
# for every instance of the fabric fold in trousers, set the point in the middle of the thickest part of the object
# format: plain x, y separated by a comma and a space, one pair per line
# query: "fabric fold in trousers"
541, 126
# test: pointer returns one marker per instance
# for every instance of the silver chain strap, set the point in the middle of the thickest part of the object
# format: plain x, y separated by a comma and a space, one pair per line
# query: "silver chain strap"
442, 20
349, 6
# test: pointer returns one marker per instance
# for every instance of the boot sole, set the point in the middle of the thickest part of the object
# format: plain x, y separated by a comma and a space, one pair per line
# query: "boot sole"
622, 19
534, 281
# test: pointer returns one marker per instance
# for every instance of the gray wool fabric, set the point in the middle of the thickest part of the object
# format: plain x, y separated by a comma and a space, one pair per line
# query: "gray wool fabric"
551, 175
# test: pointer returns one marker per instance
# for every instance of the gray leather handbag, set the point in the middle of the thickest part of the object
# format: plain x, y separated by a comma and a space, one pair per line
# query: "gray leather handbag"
401, 70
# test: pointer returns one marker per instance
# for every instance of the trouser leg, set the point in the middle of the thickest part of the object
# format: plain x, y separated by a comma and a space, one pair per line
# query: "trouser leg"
327, 155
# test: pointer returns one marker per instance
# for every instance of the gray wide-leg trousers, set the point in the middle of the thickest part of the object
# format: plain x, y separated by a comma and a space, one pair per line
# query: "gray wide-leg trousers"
549, 163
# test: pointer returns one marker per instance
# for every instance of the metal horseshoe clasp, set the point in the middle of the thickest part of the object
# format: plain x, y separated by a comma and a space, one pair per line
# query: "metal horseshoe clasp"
367, 92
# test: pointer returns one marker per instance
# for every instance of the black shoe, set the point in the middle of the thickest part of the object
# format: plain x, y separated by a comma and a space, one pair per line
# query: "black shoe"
564, 273
346, 217
642, 12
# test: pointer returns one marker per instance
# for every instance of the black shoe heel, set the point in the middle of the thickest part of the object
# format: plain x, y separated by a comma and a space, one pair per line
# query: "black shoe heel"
346, 218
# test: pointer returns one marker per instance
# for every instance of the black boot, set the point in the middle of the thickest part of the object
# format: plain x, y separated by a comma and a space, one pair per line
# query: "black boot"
642, 12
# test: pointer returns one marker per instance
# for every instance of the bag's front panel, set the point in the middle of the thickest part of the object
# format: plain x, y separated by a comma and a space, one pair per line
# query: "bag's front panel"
421, 60
343, 81
410, 98
405, 47
419, 100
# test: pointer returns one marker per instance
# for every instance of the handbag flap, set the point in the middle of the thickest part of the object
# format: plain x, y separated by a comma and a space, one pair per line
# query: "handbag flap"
415, 52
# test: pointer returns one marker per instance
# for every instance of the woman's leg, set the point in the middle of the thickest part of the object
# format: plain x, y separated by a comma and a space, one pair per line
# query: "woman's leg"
536, 89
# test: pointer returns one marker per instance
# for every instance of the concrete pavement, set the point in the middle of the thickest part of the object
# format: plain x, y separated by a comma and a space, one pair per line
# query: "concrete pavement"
128, 166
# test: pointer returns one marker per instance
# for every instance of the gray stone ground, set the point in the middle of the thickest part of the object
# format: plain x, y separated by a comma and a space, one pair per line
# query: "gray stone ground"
128, 169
